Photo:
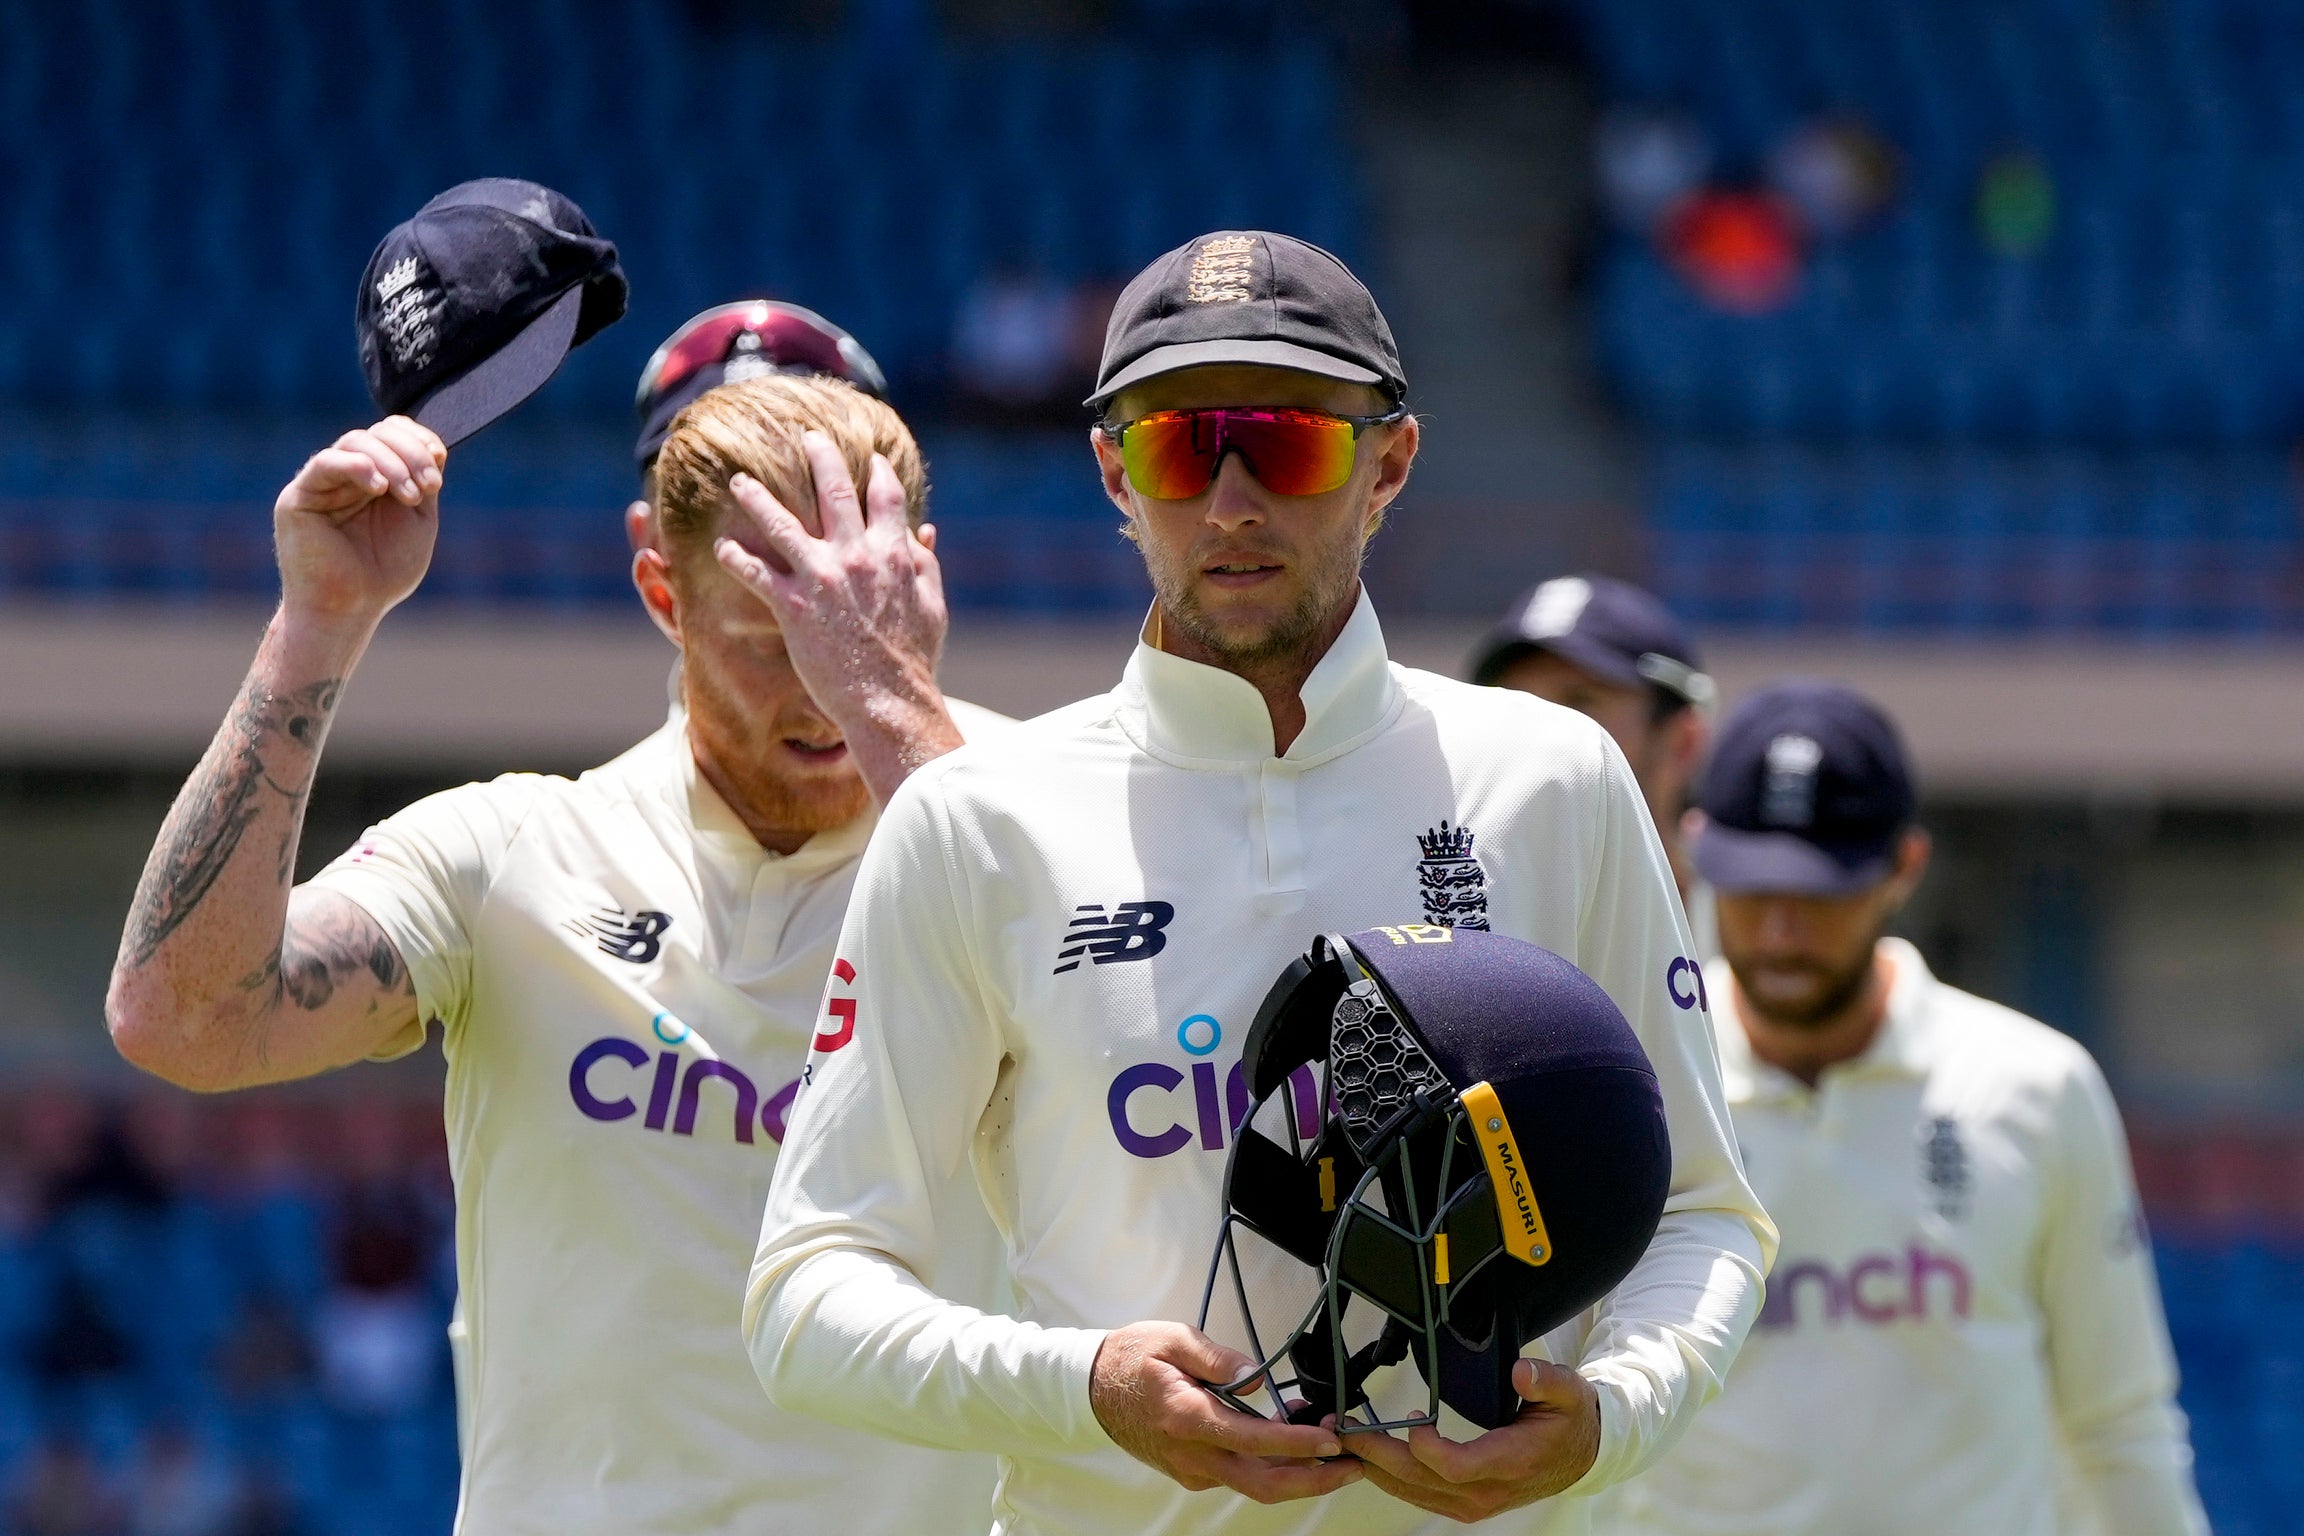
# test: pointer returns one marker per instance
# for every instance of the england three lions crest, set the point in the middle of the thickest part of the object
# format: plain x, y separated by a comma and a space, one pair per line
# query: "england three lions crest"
1451, 881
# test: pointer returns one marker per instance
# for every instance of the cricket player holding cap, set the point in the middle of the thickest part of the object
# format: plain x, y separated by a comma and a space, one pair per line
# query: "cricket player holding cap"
1964, 1316
626, 965
1058, 942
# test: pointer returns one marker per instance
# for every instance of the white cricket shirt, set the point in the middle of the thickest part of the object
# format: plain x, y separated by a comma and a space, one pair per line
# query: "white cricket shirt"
1963, 1302
629, 983
1057, 943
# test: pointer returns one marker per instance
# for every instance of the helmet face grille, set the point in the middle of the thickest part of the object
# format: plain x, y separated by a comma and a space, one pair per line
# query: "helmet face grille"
1377, 1072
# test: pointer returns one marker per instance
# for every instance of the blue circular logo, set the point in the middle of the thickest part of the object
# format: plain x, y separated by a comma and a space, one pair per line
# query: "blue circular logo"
669, 1029
1184, 1035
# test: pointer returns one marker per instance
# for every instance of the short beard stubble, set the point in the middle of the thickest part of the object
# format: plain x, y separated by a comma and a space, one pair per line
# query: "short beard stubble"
819, 803
1327, 584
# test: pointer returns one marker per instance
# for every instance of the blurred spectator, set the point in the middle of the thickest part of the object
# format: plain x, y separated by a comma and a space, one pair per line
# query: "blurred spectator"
168, 1135
1648, 160
78, 1340
379, 1340
2015, 204
264, 1360
1838, 173
54, 1133
1016, 349
136, 1300
109, 1172
266, 1508
1739, 250
64, 1493
179, 1488
274, 1197
105, 1211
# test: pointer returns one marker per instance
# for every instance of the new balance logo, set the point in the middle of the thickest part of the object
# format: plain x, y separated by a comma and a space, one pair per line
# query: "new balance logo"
633, 936
1130, 931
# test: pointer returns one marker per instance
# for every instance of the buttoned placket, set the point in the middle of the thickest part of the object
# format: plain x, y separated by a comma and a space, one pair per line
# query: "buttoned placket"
1282, 853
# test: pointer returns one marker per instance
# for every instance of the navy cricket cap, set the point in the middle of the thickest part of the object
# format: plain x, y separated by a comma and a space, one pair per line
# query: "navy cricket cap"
1807, 793
467, 308
1609, 628
1248, 296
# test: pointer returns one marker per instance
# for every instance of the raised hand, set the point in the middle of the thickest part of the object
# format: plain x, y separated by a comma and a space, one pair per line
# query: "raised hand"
1544, 1451
355, 528
223, 978
1149, 1390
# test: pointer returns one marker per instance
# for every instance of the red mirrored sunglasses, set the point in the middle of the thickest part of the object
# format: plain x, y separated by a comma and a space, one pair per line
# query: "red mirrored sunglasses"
1171, 455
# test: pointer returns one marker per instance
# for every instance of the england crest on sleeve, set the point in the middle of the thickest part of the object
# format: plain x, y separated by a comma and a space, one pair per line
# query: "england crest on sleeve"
1450, 879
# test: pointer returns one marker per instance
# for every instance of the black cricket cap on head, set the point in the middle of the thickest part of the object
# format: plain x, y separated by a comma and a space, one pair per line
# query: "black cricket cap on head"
1612, 629
1248, 296
1807, 794
467, 308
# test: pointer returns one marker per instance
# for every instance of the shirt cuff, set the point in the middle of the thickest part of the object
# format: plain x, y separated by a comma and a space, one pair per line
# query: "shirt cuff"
1619, 1453
1077, 1351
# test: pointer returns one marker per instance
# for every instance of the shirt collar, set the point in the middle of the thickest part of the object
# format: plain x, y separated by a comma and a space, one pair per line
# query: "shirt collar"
1902, 1048
1197, 713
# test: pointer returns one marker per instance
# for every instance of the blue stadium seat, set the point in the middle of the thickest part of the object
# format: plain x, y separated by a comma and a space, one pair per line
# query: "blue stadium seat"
2164, 313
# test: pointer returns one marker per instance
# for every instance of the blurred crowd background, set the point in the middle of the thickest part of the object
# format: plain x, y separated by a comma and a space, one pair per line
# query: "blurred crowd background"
1953, 346
225, 1318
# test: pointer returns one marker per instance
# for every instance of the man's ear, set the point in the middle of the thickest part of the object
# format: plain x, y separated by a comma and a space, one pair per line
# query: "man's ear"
640, 526
1691, 734
1913, 851
1115, 473
652, 578
1392, 464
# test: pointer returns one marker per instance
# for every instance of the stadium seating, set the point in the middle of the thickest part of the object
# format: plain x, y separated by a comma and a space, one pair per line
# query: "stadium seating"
2081, 438
190, 196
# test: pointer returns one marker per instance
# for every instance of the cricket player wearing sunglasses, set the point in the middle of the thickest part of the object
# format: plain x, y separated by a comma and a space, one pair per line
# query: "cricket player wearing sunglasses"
1059, 939
628, 965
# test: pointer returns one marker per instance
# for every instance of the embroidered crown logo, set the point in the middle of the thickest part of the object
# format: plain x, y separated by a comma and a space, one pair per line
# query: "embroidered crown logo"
1446, 844
1221, 271
1450, 879
396, 277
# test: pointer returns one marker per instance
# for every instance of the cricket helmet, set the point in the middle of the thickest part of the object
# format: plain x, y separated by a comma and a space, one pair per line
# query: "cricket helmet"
1488, 1159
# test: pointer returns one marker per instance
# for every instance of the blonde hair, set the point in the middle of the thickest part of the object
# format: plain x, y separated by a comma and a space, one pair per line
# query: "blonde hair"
755, 427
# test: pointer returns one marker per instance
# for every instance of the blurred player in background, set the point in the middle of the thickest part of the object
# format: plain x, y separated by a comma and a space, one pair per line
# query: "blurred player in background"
1047, 923
627, 965
1964, 1313
1611, 650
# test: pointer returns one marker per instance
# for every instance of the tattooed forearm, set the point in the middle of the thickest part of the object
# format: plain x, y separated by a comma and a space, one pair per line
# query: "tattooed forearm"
224, 799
